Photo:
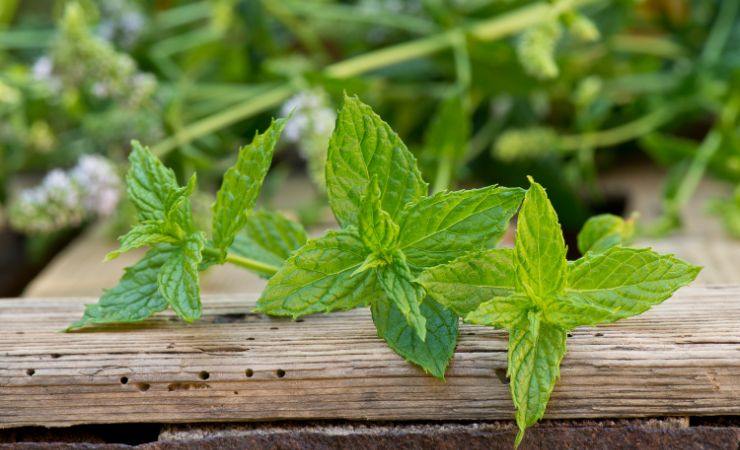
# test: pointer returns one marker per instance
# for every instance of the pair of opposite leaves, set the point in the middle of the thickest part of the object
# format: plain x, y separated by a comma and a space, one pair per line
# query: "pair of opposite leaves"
397, 245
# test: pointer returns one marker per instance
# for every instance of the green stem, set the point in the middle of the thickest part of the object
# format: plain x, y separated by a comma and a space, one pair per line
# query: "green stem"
486, 30
305, 34
720, 31
227, 117
626, 132
251, 264
241, 261
695, 172
348, 13
444, 173
709, 146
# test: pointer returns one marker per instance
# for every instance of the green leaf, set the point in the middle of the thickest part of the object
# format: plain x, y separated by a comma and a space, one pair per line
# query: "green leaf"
377, 229
151, 186
241, 185
535, 352
395, 280
540, 248
269, 237
501, 312
135, 297
466, 282
603, 232
178, 279
618, 283
143, 234
437, 229
433, 354
363, 146
319, 277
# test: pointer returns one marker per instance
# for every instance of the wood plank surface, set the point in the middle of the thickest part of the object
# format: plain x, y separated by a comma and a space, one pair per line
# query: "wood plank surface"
680, 358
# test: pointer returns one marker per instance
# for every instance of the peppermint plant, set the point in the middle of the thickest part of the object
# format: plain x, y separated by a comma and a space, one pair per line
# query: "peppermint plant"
538, 296
168, 274
390, 231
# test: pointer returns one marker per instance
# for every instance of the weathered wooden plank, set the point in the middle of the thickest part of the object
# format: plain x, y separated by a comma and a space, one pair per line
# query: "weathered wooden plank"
681, 358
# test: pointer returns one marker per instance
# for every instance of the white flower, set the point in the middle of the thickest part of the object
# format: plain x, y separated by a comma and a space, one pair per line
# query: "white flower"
43, 72
99, 183
66, 199
311, 115
309, 128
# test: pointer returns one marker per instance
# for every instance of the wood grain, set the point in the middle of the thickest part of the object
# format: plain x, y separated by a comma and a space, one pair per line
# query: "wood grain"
681, 358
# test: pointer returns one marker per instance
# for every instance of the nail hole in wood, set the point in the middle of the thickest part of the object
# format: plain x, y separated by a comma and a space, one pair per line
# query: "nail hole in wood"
124, 380
203, 375
55, 356
30, 372
249, 373
143, 387
274, 328
501, 375
280, 373
570, 334
250, 338
598, 334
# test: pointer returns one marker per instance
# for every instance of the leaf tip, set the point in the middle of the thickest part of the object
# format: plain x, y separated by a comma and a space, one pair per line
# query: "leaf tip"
519, 437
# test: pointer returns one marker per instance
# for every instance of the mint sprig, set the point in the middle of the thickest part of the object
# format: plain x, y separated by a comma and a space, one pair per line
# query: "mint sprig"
538, 296
391, 231
169, 274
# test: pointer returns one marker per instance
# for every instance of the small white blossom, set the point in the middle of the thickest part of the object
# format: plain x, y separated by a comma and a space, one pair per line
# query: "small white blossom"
123, 22
66, 199
309, 128
43, 72
99, 183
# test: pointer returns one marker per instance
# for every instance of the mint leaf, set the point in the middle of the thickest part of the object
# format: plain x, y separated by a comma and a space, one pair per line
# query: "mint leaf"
603, 232
395, 280
378, 231
363, 146
391, 233
618, 283
135, 297
268, 237
540, 248
507, 312
536, 295
437, 229
432, 354
535, 352
320, 277
141, 235
464, 283
241, 185
151, 186
178, 279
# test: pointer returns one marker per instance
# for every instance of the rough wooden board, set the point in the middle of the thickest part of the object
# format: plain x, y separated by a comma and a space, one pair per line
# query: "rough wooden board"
681, 358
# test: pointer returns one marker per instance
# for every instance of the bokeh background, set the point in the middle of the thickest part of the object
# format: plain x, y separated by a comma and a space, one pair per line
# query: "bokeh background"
614, 106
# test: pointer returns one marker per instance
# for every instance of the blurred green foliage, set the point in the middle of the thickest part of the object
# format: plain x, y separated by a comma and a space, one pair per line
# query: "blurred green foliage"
483, 91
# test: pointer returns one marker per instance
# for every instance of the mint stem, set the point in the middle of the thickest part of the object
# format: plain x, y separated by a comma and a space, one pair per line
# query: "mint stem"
247, 263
